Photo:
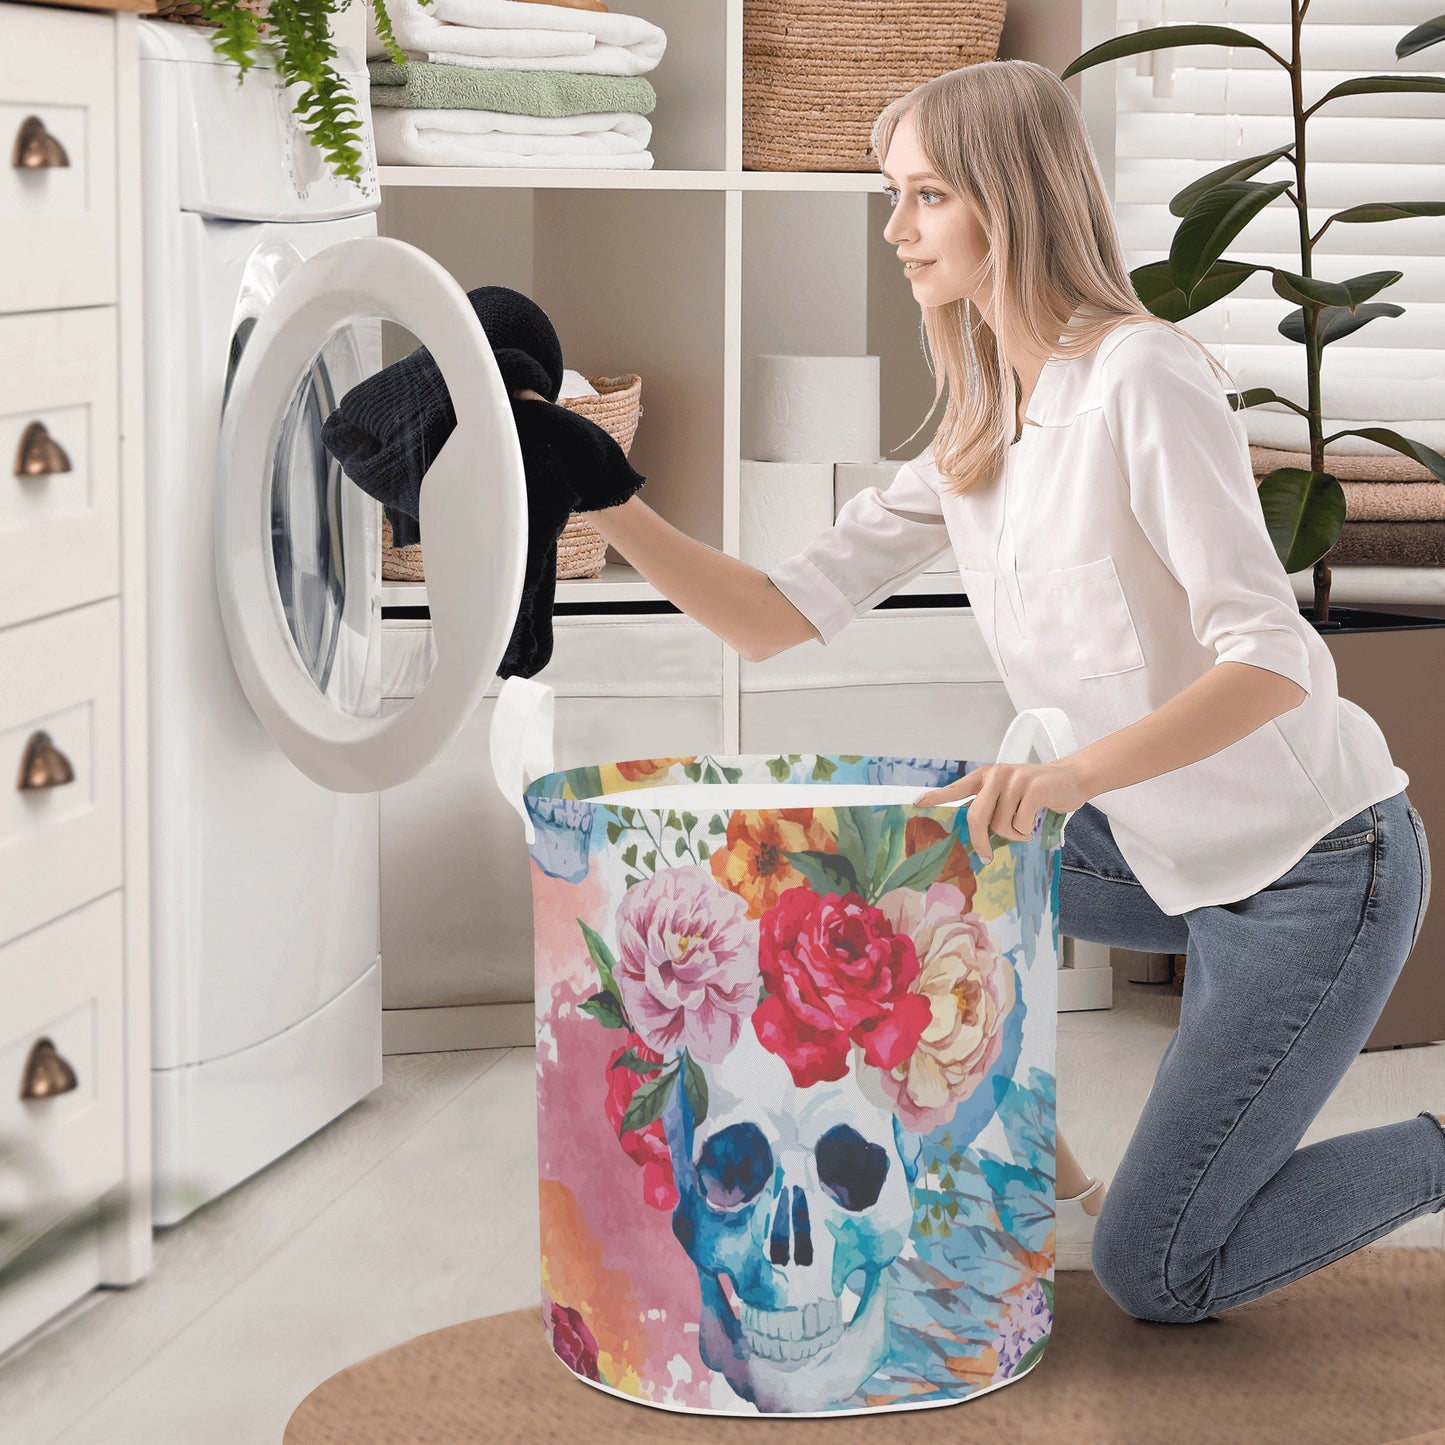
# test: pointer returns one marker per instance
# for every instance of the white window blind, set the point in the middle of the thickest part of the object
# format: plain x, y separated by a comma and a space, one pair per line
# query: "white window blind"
1183, 112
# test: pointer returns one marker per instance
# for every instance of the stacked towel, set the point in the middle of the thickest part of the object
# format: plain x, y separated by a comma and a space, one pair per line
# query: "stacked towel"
1394, 506
511, 83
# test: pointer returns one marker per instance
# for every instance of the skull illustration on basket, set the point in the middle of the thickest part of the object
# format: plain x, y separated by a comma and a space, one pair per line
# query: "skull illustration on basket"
791, 1211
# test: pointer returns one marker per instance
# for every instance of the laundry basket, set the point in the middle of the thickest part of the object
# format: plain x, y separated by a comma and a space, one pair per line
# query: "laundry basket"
795, 1074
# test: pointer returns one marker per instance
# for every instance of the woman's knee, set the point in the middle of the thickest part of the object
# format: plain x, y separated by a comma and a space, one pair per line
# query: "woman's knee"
1128, 1256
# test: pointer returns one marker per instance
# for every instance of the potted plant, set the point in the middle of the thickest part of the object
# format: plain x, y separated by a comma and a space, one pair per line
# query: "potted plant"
299, 39
1382, 656
1304, 510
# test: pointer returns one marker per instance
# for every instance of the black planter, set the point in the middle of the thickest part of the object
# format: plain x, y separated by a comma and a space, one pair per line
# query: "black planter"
1392, 663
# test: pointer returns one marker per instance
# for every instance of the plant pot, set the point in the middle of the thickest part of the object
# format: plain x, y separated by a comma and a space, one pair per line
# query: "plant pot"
1393, 665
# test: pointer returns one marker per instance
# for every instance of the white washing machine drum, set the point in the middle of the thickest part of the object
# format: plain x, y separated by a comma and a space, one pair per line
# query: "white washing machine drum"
298, 555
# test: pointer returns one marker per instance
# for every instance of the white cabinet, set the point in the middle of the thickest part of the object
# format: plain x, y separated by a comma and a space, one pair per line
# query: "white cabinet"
74, 919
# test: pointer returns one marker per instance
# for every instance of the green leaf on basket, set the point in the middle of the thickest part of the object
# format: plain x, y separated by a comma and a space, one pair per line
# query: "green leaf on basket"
779, 768
1239, 170
703, 851
890, 854
717, 825
1337, 321
647, 1103
606, 1009
681, 847
922, 868
689, 821
602, 957
1418, 451
694, 1083
1047, 1286
649, 859
1159, 37
614, 832
825, 872
631, 1059
1032, 1354
732, 774
823, 769
629, 855
693, 771
851, 845
1304, 512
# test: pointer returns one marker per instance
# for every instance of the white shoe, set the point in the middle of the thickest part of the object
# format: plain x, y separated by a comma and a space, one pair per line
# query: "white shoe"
1074, 1227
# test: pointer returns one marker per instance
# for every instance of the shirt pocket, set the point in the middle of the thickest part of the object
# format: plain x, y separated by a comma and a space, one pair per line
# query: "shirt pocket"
1096, 619
980, 587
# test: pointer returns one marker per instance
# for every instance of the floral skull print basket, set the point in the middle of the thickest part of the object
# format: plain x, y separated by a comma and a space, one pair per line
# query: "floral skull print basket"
795, 1074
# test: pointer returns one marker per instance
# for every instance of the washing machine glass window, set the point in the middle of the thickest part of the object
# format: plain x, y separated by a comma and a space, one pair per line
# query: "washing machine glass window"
363, 367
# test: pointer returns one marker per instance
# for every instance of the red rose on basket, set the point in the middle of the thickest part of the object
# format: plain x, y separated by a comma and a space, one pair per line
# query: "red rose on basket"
836, 974
573, 1342
648, 1146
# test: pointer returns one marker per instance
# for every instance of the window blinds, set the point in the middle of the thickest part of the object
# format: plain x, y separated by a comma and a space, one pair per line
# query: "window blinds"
1183, 112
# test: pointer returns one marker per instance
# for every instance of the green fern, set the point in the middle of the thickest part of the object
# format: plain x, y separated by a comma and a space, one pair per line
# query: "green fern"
299, 42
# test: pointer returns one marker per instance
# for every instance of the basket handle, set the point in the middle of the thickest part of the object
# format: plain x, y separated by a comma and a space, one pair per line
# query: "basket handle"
1019, 737
521, 740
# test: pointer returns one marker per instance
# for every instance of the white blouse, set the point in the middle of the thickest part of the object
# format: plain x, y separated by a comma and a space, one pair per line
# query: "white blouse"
1118, 555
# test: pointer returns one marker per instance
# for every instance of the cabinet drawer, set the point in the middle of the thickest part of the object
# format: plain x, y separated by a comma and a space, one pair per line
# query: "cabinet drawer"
61, 845
57, 107
58, 1152
59, 461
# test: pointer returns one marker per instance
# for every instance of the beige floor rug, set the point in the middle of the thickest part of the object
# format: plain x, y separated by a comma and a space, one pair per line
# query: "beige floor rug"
1353, 1354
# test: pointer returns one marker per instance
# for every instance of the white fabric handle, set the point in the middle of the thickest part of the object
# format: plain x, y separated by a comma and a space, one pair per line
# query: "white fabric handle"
521, 740
1019, 736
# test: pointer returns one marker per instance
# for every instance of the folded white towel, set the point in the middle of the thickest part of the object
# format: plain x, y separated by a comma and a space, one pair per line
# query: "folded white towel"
1288, 431
603, 139
515, 35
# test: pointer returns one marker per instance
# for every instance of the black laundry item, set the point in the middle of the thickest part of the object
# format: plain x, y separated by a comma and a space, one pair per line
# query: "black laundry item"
387, 430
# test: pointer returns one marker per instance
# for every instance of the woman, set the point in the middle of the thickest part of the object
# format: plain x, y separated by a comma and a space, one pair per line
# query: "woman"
1095, 486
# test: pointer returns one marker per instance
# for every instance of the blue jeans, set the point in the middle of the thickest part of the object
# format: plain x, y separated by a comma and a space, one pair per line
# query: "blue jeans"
1214, 1203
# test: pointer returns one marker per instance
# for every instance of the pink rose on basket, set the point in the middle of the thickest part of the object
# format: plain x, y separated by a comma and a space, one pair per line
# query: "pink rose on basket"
837, 974
969, 987
567, 1333
647, 1146
687, 962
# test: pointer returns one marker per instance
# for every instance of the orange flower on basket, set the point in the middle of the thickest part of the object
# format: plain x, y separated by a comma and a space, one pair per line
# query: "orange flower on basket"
752, 863
921, 833
638, 771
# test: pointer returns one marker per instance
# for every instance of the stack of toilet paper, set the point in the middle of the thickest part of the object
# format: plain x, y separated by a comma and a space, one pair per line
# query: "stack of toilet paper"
816, 439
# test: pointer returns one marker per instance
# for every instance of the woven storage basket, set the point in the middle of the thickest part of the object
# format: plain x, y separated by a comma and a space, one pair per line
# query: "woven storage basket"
581, 549
186, 12
816, 73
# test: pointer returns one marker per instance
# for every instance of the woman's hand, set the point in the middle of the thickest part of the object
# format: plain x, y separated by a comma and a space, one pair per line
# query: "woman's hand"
1007, 798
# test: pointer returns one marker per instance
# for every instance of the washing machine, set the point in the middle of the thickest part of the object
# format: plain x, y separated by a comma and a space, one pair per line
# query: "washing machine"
266, 291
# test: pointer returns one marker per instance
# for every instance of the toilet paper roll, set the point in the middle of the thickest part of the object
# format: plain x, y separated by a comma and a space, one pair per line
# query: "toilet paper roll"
816, 409
783, 506
850, 478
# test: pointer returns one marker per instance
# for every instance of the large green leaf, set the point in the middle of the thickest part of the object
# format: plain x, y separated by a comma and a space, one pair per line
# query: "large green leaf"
1160, 37
1379, 85
1427, 456
1389, 211
1254, 396
825, 872
1212, 223
921, 869
1337, 321
647, 1103
1155, 287
1234, 171
1430, 33
1310, 289
1304, 512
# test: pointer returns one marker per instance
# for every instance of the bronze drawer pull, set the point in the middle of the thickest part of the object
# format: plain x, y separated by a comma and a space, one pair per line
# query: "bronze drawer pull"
35, 148
39, 454
44, 765
46, 1073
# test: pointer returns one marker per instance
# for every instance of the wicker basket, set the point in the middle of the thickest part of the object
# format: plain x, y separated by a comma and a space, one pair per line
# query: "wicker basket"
581, 549
186, 12
816, 73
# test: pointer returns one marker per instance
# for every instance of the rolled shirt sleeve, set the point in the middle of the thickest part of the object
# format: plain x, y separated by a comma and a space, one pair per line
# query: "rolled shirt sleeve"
879, 541
1185, 457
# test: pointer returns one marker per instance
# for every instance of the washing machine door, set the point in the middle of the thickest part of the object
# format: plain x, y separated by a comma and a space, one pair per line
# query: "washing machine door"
298, 543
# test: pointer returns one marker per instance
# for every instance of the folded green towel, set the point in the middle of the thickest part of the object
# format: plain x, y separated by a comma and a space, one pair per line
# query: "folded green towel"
430, 85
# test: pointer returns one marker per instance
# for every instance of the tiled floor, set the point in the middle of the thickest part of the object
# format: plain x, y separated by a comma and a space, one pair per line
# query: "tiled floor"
417, 1209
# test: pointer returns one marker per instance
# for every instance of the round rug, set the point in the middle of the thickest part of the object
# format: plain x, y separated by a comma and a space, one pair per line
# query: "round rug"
1353, 1354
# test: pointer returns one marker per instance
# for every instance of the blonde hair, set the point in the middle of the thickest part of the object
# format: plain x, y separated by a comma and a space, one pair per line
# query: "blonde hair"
1007, 135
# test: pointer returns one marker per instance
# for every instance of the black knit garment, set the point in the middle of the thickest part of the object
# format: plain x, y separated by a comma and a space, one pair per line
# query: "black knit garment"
387, 430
